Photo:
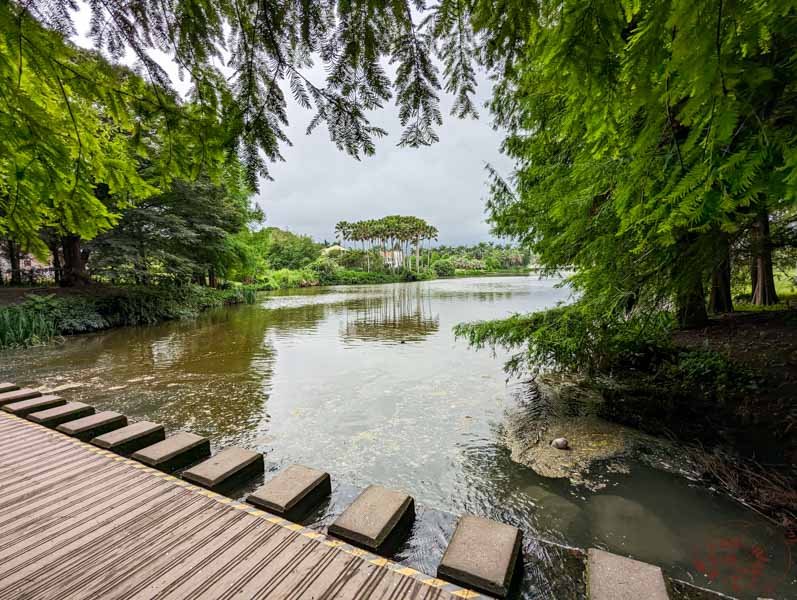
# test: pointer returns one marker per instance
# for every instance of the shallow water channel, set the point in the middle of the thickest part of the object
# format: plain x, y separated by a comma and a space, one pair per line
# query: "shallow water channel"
369, 383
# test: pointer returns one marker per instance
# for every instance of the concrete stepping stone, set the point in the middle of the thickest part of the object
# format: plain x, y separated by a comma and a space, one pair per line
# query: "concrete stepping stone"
293, 492
131, 438
53, 417
375, 519
5, 386
25, 407
89, 427
482, 555
175, 451
227, 465
18, 395
613, 577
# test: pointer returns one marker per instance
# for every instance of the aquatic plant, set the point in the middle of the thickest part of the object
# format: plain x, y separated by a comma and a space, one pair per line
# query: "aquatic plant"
21, 327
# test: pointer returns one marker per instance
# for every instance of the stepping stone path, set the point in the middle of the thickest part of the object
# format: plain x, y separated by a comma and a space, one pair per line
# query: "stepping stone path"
175, 451
25, 407
371, 519
482, 555
53, 417
613, 577
18, 395
131, 438
224, 467
293, 492
88, 427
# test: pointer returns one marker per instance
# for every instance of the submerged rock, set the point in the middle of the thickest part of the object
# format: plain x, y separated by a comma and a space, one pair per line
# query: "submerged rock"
566, 412
589, 439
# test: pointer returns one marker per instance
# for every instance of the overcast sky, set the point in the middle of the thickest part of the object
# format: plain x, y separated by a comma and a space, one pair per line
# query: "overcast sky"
445, 184
318, 185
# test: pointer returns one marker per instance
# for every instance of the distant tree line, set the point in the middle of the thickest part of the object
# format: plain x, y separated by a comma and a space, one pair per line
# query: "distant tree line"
388, 234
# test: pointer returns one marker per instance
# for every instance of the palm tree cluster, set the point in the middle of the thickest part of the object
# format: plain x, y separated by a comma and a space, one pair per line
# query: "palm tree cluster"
390, 233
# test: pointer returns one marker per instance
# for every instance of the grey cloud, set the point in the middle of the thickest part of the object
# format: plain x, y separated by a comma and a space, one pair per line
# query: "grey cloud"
445, 184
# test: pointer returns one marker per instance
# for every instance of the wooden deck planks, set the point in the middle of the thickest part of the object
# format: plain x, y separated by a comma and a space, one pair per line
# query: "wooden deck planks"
78, 522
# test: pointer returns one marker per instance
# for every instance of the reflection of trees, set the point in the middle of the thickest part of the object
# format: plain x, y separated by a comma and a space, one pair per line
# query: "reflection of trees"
401, 313
211, 375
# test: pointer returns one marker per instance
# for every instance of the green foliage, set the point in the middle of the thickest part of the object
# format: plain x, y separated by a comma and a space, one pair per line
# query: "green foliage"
444, 268
41, 318
178, 235
285, 250
287, 279
484, 256
20, 327
349, 277
362, 260
574, 338
325, 269
645, 136
249, 295
72, 123
709, 372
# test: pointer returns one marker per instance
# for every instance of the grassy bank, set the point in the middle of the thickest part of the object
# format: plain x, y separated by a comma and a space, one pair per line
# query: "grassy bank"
42, 317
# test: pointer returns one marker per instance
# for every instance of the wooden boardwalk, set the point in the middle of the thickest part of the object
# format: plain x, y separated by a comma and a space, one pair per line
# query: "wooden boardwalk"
80, 522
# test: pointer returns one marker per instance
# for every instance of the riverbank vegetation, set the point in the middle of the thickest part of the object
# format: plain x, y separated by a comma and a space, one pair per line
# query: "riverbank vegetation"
40, 318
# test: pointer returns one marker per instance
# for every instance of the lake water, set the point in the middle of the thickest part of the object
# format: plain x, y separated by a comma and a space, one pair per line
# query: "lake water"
369, 383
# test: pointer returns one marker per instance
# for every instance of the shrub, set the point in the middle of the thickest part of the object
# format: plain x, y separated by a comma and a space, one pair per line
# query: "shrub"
444, 268
410, 275
325, 269
286, 279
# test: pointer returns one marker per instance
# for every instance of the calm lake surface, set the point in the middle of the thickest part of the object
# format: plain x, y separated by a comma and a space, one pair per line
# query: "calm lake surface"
369, 383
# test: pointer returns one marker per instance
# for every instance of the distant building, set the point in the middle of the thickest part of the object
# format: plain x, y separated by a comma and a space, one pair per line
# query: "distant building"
393, 258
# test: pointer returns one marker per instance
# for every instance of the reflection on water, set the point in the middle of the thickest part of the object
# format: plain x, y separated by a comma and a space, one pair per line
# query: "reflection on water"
399, 314
321, 377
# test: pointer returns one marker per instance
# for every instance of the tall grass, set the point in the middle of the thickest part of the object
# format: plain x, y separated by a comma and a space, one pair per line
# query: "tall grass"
21, 327
250, 295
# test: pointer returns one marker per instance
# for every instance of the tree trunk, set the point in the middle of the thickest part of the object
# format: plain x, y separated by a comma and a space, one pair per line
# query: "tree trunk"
212, 282
52, 245
13, 258
720, 300
764, 289
753, 273
74, 265
691, 305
